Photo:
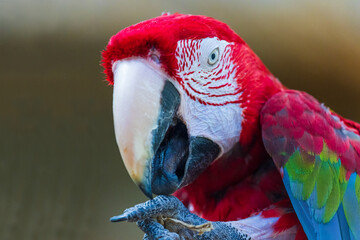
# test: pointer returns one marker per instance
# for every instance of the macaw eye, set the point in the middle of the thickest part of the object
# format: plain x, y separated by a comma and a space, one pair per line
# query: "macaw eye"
213, 57
155, 58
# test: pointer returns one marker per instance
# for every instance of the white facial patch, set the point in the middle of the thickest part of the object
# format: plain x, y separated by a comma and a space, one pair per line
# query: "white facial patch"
210, 84
221, 124
210, 104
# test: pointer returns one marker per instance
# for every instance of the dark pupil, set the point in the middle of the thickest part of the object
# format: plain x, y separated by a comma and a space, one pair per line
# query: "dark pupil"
213, 56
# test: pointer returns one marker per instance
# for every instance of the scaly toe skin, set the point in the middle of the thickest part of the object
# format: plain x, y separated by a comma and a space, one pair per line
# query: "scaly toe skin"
154, 230
167, 206
161, 206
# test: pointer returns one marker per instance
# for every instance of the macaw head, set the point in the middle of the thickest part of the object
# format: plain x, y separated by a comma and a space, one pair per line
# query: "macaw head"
186, 90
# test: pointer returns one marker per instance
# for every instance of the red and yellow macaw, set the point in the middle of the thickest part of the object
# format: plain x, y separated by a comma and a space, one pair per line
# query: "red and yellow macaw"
205, 127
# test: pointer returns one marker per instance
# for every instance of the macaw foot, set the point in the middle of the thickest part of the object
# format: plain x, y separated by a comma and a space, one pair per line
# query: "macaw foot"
166, 218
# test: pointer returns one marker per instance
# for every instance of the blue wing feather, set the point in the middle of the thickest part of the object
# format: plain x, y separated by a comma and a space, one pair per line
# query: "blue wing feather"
301, 209
352, 208
344, 227
336, 229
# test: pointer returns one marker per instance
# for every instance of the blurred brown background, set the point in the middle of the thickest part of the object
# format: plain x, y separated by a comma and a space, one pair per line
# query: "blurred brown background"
61, 176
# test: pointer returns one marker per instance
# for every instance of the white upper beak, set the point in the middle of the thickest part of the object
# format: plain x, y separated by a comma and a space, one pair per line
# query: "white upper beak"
136, 105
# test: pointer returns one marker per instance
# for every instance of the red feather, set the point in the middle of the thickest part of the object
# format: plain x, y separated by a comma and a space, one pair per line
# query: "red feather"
162, 33
245, 181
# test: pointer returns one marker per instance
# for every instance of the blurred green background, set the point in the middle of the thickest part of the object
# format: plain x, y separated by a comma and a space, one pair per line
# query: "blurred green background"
61, 175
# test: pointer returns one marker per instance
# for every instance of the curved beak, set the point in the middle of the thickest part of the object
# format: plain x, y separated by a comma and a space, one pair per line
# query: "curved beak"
154, 143
144, 105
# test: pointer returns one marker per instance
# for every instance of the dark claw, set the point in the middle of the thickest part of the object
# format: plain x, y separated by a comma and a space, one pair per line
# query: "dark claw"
119, 218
